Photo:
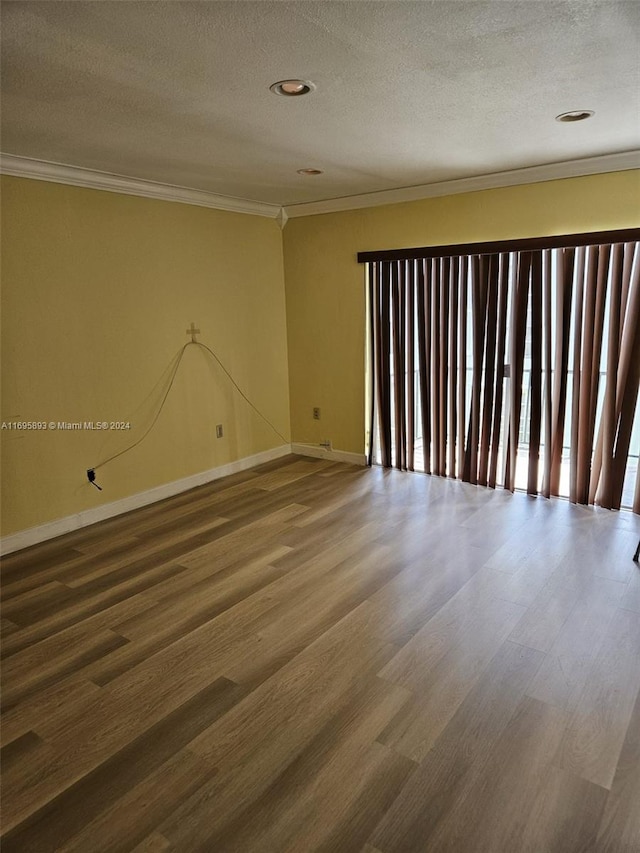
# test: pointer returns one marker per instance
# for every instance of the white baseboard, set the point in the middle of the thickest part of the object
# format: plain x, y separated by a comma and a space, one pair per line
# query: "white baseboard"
323, 453
25, 538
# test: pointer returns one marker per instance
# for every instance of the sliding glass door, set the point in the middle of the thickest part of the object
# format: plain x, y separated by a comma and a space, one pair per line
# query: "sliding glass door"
514, 368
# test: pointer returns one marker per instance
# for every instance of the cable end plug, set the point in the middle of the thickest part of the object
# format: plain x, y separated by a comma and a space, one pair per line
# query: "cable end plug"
91, 476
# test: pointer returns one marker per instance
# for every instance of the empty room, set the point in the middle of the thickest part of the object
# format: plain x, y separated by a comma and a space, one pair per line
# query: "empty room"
320, 442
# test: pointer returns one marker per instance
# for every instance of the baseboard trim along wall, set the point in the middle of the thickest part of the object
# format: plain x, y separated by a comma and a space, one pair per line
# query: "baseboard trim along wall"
43, 532
319, 452
34, 535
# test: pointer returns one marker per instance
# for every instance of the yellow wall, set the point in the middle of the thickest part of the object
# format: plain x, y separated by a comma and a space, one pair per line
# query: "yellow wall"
97, 291
325, 284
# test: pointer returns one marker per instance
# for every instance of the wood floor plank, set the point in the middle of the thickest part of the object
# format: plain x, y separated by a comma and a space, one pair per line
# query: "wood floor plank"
196, 517
598, 725
28, 674
158, 628
567, 667
128, 821
28, 581
464, 746
545, 617
121, 713
331, 532
18, 750
417, 593
564, 814
291, 629
31, 650
252, 554
607, 556
313, 656
50, 704
313, 561
269, 526
36, 559
112, 565
542, 539
186, 541
303, 691
254, 743
7, 627
154, 843
347, 817
27, 607
457, 629
123, 543
306, 801
67, 814
521, 586
91, 606
497, 519
502, 805
631, 598
620, 825
328, 502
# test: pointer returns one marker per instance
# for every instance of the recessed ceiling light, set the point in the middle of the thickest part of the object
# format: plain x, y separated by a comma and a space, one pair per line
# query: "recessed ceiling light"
309, 171
292, 88
575, 115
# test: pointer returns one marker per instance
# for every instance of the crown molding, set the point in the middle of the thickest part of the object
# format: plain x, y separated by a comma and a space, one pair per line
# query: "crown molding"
42, 170
531, 175
58, 173
281, 218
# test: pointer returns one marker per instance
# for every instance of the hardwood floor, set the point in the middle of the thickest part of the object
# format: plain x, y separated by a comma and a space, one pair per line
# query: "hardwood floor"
312, 656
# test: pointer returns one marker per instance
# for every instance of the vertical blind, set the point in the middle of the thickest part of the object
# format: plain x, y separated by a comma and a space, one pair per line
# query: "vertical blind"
497, 358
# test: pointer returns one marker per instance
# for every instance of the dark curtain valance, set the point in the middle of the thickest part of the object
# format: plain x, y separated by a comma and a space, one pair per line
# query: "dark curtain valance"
624, 235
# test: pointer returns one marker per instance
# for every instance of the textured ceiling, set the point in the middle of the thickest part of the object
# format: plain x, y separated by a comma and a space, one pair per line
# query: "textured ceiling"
407, 93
